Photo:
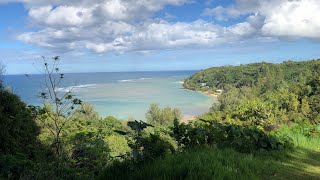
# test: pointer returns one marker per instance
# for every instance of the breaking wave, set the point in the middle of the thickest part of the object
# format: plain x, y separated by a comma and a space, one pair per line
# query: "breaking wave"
74, 88
133, 80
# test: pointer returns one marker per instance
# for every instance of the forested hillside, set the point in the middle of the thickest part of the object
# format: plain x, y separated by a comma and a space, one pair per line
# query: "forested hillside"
263, 93
255, 74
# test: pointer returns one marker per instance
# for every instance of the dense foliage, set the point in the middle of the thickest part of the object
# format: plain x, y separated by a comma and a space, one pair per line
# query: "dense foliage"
263, 94
266, 117
241, 138
163, 117
16, 121
18, 135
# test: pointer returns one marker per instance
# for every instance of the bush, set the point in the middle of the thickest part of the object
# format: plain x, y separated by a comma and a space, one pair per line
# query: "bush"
240, 138
18, 136
164, 117
18, 129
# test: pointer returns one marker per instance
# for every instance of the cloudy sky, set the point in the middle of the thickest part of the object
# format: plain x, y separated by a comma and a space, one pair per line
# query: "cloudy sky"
137, 35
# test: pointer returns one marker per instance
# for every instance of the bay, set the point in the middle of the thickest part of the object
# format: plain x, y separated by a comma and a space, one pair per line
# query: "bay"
120, 94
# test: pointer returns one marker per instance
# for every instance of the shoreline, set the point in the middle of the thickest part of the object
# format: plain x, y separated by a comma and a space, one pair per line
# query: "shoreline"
208, 93
187, 118
204, 92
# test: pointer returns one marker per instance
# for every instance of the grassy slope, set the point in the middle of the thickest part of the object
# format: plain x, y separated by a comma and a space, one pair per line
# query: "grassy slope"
228, 164
208, 163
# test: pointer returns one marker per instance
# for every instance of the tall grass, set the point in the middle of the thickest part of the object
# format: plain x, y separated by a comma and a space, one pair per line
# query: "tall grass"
303, 136
200, 163
303, 162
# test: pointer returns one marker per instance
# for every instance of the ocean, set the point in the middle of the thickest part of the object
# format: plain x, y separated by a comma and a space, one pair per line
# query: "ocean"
120, 94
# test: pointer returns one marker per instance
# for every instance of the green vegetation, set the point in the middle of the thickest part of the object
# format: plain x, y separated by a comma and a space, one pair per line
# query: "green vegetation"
265, 125
162, 117
209, 163
263, 94
18, 134
58, 109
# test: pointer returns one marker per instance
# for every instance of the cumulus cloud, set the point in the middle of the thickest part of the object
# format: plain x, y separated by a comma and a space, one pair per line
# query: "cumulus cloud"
129, 25
61, 15
120, 25
153, 35
295, 19
279, 18
75, 12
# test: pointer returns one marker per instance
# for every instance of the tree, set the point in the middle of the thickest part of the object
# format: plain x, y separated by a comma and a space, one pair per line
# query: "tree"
18, 128
305, 108
165, 116
145, 145
87, 111
58, 108
19, 146
153, 115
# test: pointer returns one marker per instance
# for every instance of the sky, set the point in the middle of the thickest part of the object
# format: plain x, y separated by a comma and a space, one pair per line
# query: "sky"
154, 35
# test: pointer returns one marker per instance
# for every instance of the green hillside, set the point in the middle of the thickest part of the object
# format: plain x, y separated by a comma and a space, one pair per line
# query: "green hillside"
264, 125
263, 93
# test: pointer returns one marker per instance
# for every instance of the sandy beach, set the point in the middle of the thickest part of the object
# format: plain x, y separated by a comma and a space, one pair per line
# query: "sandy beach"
208, 93
188, 118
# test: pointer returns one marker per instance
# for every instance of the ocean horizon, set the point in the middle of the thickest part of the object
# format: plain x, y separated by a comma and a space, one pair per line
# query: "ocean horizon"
121, 94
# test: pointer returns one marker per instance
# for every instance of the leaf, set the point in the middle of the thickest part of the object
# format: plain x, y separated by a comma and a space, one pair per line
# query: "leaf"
138, 126
121, 132
263, 144
69, 96
255, 136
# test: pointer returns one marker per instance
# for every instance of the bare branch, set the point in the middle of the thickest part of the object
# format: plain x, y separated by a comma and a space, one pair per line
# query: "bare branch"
63, 104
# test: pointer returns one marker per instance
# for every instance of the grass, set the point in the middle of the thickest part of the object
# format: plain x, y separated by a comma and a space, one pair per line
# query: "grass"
303, 162
208, 163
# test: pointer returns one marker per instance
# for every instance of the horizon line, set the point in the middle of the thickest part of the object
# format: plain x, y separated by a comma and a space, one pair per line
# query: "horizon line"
107, 72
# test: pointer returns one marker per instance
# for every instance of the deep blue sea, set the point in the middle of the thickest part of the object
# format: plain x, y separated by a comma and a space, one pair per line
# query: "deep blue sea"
120, 94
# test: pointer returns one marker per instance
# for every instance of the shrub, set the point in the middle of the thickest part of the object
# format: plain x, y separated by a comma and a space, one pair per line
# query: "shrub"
240, 138
18, 136
164, 117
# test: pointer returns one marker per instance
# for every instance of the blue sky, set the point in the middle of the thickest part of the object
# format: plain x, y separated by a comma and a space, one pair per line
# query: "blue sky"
136, 35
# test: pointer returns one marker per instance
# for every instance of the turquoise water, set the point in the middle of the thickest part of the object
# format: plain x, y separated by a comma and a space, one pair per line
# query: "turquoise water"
123, 95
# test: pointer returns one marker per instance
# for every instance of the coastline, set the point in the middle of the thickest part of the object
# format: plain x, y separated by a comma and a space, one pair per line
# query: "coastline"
208, 93
204, 92
187, 118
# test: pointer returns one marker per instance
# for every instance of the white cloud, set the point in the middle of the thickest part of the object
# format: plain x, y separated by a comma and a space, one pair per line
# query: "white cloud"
80, 11
279, 18
128, 25
61, 15
294, 19
120, 26
147, 36
242, 29
219, 13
